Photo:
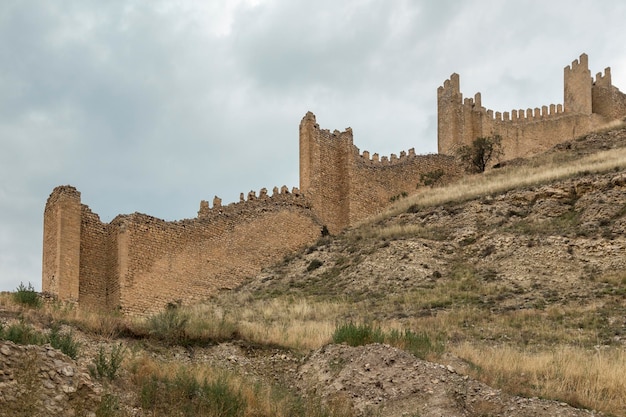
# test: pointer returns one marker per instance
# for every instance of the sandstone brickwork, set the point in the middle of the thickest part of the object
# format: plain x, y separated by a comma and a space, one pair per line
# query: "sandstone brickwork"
588, 104
138, 263
345, 186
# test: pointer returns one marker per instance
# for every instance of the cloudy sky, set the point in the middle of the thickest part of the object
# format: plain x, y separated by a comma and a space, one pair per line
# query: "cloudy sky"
152, 106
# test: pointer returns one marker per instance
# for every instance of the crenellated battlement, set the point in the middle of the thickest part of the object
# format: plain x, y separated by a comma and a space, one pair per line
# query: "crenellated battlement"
587, 104
385, 160
580, 64
281, 196
345, 185
603, 79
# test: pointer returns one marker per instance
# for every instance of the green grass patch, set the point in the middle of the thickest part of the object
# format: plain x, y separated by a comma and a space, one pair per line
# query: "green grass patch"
418, 344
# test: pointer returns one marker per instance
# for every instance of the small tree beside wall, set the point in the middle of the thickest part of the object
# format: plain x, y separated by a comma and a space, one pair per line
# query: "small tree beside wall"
480, 152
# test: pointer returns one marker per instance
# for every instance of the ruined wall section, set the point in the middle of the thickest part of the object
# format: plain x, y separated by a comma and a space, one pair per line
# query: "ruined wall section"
190, 260
525, 132
325, 162
607, 99
99, 285
61, 243
376, 182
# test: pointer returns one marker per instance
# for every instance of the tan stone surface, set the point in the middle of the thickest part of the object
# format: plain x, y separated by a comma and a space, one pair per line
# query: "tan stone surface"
588, 105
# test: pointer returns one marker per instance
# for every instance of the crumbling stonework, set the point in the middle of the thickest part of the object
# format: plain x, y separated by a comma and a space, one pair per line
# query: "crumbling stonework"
42, 381
139, 264
588, 105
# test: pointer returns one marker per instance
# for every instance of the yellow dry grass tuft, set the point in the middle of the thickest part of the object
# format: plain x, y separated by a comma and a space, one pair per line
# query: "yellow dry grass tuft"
581, 377
509, 178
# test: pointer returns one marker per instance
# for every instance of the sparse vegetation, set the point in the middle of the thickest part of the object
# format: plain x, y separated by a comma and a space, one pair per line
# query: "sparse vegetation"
314, 264
419, 344
438, 281
480, 152
431, 178
64, 341
107, 365
26, 295
23, 333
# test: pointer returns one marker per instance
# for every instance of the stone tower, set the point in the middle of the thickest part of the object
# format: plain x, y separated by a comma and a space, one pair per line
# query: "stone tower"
61, 246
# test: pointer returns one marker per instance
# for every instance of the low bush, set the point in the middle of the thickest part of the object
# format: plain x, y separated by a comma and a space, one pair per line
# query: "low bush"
25, 334
107, 365
22, 334
314, 264
358, 334
169, 326
27, 295
64, 342
418, 344
190, 396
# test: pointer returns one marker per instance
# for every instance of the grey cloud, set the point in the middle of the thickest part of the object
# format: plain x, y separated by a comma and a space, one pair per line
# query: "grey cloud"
143, 108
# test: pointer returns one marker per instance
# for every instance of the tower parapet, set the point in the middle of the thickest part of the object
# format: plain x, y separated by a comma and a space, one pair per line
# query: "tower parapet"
586, 105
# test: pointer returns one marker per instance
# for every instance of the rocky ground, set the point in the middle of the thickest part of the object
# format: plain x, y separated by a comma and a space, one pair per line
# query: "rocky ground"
558, 244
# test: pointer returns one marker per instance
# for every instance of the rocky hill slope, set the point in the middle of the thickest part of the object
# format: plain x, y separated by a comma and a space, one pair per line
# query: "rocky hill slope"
533, 269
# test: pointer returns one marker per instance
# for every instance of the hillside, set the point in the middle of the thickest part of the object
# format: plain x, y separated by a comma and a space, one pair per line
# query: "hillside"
479, 298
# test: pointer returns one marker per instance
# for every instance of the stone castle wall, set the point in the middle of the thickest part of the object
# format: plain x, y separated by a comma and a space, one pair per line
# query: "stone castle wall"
345, 186
139, 264
588, 105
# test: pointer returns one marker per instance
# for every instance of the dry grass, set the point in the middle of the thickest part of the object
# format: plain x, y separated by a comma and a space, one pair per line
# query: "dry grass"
592, 379
258, 399
509, 178
293, 323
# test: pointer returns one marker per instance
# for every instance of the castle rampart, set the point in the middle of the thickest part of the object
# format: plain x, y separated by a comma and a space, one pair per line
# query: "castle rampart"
138, 263
345, 186
587, 105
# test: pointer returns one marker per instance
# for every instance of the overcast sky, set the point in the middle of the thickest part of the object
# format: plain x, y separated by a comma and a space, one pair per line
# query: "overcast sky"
152, 106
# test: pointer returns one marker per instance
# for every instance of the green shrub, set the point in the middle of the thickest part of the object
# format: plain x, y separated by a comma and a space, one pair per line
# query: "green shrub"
314, 264
108, 407
27, 295
22, 334
64, 342
107, 366
170, 326
358, 334
419, 344
480, 153
432, 177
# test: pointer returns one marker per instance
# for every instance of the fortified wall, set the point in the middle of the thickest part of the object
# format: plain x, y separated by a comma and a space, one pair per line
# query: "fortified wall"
139, 264
345, 186
588, 104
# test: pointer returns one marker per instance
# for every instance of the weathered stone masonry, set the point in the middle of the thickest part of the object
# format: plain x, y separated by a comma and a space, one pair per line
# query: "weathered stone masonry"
345, 186
139, 264
588, 105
